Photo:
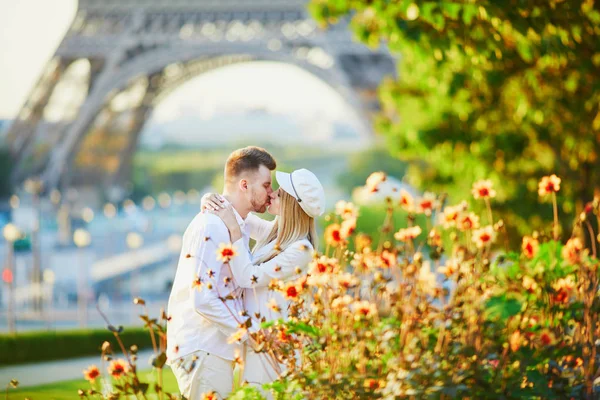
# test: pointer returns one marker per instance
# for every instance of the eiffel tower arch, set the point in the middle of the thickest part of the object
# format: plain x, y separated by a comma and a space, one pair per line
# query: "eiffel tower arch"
81, 122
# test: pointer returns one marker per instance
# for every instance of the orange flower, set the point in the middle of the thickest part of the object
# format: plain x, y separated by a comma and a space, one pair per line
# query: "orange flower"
406, 234
290, 291
347, 228
563, 288
484, 237
373, 384
388, 259
427, 203
547, 338
347, 280
91, 373
483, 189
450, 215
283, 336
197, 283
333, 235
323, 265
362, 241
571, 252
530, 246
515, 341
435, 239
374, 180
529, 284
118, 368
449, 269
548, 185
346, 210
364, 309
468, 221
226, 252
406, 201
209, 396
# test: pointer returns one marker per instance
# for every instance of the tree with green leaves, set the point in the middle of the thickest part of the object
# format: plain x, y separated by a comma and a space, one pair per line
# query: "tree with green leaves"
506, 90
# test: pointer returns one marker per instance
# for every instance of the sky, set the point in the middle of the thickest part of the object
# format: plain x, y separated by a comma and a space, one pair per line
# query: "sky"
284, 93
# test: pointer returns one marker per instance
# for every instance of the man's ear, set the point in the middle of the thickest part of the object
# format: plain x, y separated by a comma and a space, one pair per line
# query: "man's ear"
243, 185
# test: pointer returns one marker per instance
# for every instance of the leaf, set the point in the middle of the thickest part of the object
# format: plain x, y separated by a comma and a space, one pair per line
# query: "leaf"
499, 307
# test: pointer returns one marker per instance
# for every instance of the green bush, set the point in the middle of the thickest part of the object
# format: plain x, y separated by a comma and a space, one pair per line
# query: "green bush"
57, 345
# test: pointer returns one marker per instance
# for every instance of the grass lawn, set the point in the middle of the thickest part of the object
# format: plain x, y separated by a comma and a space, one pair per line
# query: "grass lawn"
67, 390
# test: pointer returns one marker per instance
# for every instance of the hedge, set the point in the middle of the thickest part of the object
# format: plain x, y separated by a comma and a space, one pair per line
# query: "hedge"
57, 345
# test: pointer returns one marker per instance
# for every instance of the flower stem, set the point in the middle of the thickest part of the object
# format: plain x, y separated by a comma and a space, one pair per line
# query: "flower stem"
555, 207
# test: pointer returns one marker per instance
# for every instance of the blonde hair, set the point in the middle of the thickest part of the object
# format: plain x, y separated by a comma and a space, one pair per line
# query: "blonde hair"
291, 225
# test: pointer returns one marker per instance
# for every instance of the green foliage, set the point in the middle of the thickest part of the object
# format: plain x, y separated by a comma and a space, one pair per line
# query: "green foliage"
46, 346
502, 90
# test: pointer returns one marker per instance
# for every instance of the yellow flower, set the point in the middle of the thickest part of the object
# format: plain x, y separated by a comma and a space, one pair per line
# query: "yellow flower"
272, 304
197, 283
347, 228
530, 246
364, 309
238, 336
548, 185
209, 396
226, 252
426, 204
468, 221
571, 252
346, 210
529, 284
450, 215
484, 237
333, 235
406, 234
374, 180
118, 368
483, 189
449, 269
515, 341
91, 373
406, 201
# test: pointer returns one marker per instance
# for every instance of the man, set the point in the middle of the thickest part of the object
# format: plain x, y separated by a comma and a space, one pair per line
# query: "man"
205, 303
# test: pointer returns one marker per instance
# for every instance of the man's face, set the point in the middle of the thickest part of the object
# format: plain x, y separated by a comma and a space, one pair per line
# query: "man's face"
259, 189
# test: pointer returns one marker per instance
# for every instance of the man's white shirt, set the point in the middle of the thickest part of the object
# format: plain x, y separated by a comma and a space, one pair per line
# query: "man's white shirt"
199, 318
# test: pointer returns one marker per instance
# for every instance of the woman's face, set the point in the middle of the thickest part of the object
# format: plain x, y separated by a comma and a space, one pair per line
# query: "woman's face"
275, 207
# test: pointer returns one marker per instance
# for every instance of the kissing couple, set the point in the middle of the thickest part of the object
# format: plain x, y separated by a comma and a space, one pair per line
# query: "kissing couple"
221, 283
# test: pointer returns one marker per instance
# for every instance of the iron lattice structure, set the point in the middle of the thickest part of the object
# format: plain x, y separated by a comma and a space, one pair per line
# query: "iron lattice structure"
81, 122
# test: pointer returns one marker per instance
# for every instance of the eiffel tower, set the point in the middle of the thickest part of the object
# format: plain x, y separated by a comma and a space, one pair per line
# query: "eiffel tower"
81, 122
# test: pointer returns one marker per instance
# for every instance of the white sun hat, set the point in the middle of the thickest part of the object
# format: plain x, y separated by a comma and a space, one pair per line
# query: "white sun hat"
305, 187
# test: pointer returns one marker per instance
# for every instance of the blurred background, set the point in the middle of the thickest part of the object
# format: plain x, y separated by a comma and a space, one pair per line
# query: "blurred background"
116, 116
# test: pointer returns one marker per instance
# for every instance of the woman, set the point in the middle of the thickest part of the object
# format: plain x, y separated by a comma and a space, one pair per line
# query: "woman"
284, 248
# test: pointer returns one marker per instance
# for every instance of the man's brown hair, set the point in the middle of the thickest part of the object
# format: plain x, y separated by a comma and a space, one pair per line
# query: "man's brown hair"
247, 159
